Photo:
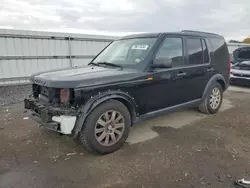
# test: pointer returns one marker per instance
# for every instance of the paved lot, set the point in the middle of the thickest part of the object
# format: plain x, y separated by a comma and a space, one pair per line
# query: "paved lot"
183, 149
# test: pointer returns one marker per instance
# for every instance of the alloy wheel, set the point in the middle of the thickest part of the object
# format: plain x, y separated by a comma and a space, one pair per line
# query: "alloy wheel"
215, 98
109, 128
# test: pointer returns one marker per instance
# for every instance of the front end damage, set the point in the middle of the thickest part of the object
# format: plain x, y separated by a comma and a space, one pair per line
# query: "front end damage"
45, 107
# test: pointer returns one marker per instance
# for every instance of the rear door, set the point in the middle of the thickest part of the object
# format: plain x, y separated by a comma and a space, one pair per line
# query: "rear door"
199, 69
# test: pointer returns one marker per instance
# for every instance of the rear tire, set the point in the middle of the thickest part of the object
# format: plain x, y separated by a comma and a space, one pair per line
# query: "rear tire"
213, 100
106, 128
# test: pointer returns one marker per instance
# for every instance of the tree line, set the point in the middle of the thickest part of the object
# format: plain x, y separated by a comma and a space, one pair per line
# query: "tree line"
246, 40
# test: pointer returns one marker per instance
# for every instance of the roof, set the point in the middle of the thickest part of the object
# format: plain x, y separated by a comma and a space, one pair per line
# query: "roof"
184, 32
143, 35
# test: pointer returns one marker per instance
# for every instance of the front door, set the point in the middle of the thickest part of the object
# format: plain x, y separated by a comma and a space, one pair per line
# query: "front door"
169, 85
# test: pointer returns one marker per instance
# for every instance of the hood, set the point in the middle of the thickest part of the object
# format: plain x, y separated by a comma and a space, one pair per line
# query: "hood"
82, 76
241, 54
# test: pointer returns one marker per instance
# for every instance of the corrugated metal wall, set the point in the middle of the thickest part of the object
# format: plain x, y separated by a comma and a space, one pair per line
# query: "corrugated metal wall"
23, 53
234, 46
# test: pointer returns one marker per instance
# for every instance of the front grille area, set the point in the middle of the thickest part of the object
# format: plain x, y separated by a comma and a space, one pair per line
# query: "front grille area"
46, 95
44, 91
38, 81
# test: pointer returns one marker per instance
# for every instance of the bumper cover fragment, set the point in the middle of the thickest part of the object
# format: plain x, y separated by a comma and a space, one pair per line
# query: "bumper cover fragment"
45, 115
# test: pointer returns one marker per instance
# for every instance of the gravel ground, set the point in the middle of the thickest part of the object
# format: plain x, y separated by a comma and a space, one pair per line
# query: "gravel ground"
211, 152
13, 95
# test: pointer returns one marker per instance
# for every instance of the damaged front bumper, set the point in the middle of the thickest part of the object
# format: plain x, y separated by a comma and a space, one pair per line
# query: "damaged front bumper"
54, 118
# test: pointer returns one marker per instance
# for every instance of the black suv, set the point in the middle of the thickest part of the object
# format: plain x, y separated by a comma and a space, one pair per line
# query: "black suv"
132, 79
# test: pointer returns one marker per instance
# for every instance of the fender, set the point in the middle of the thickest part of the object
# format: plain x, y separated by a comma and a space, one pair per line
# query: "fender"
213, 79
96, 100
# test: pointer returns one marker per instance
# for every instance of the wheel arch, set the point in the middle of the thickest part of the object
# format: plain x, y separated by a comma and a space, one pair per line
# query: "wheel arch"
215, 78
100, 98
222, 83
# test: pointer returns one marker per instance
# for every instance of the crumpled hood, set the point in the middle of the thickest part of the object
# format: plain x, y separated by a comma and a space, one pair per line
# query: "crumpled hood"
82, 76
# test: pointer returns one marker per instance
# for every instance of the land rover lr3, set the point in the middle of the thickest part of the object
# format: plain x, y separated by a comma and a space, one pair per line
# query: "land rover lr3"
132, 79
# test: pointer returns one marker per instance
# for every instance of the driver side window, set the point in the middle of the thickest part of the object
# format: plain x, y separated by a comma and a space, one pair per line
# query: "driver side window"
171, 50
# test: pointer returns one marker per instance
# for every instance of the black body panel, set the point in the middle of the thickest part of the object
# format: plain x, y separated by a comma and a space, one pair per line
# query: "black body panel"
82, 77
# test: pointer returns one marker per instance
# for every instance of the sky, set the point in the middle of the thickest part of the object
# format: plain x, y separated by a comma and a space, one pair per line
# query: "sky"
229, 18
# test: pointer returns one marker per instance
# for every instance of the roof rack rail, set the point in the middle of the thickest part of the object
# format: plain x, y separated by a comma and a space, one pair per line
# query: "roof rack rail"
200, 32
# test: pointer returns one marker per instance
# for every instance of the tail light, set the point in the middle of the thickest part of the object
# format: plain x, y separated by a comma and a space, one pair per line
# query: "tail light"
230, 68
64, 95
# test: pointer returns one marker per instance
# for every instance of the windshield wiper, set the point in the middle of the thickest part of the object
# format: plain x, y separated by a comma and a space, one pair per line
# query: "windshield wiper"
91, 63
110, 64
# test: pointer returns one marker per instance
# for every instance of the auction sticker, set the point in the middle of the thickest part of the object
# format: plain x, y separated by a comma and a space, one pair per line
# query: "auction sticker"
139, 47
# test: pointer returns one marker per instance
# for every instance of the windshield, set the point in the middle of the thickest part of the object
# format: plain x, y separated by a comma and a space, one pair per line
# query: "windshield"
126, 52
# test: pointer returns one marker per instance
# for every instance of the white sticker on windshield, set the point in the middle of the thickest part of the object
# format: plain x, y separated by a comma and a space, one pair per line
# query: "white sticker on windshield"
139, 47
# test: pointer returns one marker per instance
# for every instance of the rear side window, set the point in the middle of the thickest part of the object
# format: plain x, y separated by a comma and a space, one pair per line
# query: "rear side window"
221, 55
217, 43
195, 52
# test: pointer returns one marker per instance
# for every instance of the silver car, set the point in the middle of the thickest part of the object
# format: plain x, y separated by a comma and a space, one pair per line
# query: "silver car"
240, 70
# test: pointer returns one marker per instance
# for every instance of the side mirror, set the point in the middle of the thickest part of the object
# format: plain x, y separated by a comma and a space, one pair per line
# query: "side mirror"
162, 63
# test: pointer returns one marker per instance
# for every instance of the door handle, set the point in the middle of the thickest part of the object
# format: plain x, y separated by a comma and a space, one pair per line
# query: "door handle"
210, 69
181, 74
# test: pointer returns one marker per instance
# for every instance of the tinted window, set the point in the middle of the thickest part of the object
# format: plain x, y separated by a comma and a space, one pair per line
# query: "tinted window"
205, 52
221, 55
194, 51
171, 50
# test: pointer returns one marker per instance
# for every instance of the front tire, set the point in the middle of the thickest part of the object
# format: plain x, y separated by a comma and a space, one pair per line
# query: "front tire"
213, 100
106, 128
